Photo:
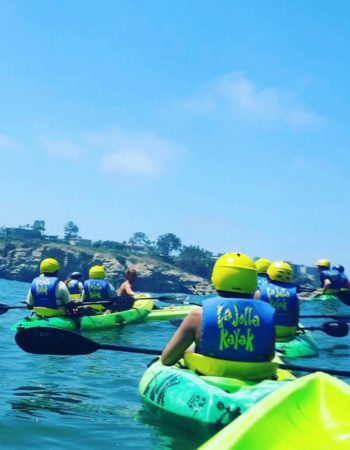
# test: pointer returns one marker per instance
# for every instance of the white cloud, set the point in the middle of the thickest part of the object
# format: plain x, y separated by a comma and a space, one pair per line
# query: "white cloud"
134, 153
62, 148
245, 101
130, 162
118, 151
7, 143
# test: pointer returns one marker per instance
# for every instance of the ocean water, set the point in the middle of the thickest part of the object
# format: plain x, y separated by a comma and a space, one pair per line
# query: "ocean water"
91, 401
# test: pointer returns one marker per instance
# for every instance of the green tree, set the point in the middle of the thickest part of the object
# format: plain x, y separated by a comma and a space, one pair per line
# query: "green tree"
71, 231
139, 238
196, 260
167, 244
39, 225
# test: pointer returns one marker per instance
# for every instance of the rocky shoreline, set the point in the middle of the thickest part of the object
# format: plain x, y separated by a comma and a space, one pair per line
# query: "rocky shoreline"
19, 260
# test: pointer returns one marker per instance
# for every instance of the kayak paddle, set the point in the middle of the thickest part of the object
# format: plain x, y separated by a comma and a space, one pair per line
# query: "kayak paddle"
325, 316
334, 328
344, 296
54, 341
169, 298
5, 308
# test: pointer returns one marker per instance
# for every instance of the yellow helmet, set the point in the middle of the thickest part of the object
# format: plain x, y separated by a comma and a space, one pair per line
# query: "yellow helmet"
97, 273
234, 272
49, 265
323, 263
280, 271
262, 264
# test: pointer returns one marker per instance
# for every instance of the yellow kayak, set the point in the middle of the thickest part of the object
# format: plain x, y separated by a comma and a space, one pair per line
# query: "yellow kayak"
310, 413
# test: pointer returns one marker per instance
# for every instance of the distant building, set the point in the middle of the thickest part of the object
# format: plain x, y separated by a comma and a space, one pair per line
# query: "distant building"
141, 249
51, 237
20, 233
82, 242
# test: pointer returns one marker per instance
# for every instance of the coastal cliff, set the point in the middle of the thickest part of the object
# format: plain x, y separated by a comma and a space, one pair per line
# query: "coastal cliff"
19, 260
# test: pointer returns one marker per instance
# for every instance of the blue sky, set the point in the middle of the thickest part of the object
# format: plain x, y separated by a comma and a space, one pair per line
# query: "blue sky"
224, 122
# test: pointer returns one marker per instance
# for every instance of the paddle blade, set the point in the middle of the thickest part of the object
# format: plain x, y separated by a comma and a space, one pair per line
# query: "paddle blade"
344, 296
53, 341
3, 308
336, 329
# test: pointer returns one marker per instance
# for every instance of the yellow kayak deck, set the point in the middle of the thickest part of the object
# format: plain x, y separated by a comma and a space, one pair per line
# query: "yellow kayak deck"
311, 413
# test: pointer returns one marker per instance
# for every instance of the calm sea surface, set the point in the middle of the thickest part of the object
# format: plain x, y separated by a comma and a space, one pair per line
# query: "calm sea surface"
91, 402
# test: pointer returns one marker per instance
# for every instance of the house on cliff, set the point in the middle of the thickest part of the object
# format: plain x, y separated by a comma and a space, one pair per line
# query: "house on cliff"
19, 233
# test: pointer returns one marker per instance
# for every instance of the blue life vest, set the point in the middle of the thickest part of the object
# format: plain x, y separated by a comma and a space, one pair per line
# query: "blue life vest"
262, 280
95, 290
43, 291
283, 297
237, 330
73, 287
344, 281
334, 276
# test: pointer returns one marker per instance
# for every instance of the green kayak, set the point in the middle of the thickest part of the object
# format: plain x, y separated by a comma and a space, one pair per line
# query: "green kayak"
171, 312
138, 312
303, 345
200, 403
320, 297
310, 413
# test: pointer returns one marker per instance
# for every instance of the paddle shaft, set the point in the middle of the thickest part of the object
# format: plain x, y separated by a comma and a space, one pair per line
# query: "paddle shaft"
324, 316
148, 351
162, 298
341, 373
122, 348
54, 341
334, 329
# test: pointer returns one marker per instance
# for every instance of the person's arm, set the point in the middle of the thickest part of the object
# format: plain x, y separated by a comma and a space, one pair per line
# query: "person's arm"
326, 284
257, 295
62, 294
184, 336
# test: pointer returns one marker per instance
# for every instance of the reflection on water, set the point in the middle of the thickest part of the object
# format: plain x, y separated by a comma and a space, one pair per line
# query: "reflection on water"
34, 401
165, 436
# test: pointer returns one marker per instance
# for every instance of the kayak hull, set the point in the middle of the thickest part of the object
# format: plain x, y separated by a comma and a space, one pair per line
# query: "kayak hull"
179, 397
171, 312
303, 345
310, 413
322, 297
139, 311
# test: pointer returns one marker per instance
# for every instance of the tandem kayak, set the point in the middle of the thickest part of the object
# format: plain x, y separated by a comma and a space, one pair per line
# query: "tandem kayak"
204, 403
310, 413
139, 311
303, 345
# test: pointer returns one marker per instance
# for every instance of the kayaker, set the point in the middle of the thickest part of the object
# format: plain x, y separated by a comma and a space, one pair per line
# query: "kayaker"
262, 264
345, 283
331, 280
48, 296
97, 289
126, 287
75, 286
231, 326
281, 293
